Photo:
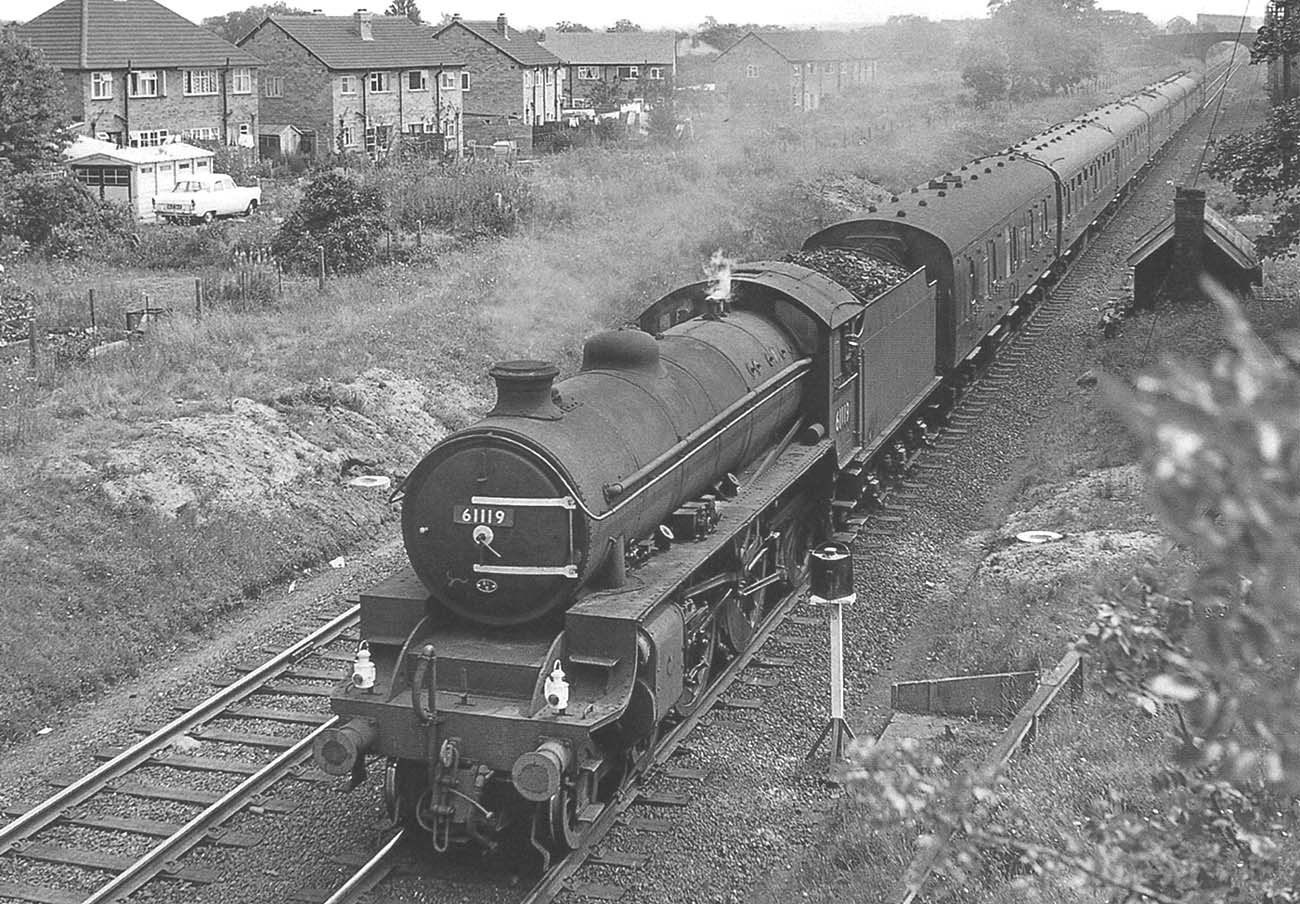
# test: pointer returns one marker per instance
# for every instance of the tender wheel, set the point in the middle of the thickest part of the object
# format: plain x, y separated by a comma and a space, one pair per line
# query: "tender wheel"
209, 217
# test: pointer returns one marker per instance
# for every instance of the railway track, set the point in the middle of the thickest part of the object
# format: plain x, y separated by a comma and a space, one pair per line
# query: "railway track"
92, 826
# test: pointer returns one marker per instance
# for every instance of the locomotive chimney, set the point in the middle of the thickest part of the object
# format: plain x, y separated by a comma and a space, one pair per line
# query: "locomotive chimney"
524, 390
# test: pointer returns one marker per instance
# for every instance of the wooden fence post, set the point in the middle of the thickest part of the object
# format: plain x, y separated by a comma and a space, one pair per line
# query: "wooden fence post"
320, 278
92, 309
31, 339
198, 298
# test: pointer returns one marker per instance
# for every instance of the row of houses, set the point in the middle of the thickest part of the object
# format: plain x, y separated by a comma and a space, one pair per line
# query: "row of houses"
139, 75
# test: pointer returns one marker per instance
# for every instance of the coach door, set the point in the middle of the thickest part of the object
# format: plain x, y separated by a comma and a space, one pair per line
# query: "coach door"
846, 392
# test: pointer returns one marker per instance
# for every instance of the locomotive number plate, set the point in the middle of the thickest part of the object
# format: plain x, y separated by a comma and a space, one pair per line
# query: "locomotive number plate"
493, 516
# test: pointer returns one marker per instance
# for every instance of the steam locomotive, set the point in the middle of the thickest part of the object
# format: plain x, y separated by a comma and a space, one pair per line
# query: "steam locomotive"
585, 557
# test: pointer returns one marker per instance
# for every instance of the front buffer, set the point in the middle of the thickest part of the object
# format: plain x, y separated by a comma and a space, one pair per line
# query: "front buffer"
484, 733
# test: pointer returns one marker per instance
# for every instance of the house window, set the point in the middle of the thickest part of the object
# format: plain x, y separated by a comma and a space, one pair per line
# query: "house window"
588, 73
347, 84
629, 71
380, 83
751, 71
202, 133
448, 80
150, 138
828, 68
547, 76
464, 81
241, 81
794, 98
417, 80
656, 74
273, 86
200, 81
143, 83
101, 85
346, 138
528, 80
104, 175
245, 129
794, 71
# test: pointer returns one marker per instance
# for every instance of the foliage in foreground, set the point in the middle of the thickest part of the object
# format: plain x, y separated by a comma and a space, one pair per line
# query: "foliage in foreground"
1222, 448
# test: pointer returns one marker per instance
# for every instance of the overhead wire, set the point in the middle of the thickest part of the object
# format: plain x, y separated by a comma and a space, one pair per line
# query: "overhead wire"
1214, 120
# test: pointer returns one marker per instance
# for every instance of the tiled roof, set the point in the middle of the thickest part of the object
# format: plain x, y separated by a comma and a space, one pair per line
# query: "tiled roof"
109, 34
514, 44
611, 49
397, 42
801, 46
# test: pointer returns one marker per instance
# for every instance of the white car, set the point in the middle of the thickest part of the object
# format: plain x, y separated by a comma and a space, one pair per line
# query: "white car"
204, 198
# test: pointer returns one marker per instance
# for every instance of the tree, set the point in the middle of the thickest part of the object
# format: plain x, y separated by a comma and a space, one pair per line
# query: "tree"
566, 27
32, 112
623, 25
986, 68
408, 8
1179, 26
233, 26
720, 36
915, 40
1265, 163
1049, 45
1279, 41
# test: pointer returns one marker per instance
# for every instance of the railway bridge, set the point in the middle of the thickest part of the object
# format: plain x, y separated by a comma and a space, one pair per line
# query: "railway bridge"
1198, 43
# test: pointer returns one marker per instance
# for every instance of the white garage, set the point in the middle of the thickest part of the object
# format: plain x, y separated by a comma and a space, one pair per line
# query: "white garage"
134, 175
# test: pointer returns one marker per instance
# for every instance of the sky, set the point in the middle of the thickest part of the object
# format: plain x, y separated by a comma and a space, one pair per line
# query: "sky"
677, 13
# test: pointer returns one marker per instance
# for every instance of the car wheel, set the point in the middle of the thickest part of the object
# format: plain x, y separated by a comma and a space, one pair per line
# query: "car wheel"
209, 217
249, 210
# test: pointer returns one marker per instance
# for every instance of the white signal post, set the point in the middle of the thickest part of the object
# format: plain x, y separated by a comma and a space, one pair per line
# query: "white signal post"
832, 586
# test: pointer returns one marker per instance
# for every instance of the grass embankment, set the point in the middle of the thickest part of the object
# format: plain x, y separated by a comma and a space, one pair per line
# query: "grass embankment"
1095, 758
91, 590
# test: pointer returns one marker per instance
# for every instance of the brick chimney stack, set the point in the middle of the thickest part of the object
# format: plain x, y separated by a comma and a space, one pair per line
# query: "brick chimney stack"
363, 17
1189, 241
501, 25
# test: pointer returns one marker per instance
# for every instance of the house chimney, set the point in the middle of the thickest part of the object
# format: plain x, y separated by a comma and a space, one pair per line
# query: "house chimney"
455, 17
501, 25
1189, 240
363, 17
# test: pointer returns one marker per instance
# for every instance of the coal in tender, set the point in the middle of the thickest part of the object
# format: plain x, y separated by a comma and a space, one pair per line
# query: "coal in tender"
863, 275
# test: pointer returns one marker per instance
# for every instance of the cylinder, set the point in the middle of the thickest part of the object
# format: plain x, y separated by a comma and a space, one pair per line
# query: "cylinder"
831, 571
337, 751
537, 774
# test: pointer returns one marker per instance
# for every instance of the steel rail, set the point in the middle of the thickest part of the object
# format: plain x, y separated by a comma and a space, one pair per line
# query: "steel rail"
160, 858
372, 872
553, 883
49, 810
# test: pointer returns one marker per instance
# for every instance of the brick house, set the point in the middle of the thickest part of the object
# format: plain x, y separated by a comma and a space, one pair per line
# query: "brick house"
138, 75
633, 63
796, 70
355, 83
512, 82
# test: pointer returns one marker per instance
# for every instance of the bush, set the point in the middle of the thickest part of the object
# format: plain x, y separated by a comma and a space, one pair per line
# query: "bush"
59, 216
339, 214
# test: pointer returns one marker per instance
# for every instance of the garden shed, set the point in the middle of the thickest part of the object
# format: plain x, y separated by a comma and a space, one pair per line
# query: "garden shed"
134, 175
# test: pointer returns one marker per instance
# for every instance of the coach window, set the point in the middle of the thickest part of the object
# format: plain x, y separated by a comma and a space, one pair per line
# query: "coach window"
973, 283
990, 265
